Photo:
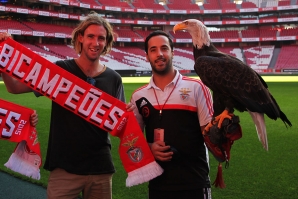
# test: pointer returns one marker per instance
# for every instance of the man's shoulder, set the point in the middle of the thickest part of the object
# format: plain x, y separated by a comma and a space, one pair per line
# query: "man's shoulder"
191, 81
112, 72
141, 91
65, 62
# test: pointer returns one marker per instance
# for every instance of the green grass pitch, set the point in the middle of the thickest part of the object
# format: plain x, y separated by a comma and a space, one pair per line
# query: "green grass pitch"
252, 173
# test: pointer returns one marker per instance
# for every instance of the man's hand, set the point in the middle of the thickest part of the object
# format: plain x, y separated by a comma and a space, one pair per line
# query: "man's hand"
130, 107
4, 36
34, 119
160, 151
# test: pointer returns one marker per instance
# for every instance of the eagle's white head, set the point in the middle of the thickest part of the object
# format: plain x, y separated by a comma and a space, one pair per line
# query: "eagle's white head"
197, 30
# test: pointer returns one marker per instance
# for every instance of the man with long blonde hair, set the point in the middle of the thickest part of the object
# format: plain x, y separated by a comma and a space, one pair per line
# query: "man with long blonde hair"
79, 153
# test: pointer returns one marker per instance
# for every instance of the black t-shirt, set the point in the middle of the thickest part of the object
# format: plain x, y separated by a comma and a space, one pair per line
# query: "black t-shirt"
76, 145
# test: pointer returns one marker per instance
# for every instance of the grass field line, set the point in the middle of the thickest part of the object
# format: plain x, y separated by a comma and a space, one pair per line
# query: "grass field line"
266, 78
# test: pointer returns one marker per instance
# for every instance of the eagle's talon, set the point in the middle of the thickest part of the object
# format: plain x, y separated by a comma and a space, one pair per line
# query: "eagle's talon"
220, 118
207, 128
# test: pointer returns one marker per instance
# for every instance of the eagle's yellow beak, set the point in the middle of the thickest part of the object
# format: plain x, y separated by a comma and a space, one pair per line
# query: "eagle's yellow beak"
179, 26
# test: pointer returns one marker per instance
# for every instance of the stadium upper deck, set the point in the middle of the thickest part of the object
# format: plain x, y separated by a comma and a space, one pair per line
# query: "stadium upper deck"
256, 31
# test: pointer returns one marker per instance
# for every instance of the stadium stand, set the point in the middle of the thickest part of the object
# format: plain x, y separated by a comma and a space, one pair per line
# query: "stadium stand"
92, 2
227, 4
224, 34
127, 58
287, 58
250, 33
64, 51
289, 32
211, 5
284, 3
249, 4
269, 4
233, 51
182, 5
143, 33
115, 3
42, 52
151, 4
253, 37
180, 35
126, 34
49, 28
12, 24
258, 57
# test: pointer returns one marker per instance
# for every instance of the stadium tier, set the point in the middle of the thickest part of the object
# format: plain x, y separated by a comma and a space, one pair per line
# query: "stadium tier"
261, 33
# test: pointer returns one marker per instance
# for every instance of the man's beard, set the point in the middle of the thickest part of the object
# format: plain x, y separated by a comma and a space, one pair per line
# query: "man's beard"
165, 70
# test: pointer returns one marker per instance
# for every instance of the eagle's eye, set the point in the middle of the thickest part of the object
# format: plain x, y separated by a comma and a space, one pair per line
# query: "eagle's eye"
186, 23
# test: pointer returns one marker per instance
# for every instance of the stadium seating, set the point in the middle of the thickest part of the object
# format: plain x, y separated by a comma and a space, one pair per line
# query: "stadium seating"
12, 24
49, 28
249, 4
284, 3
148, 4
61, 49
211, 5
269, 4
143, 33
250, 33
91, 2
42, 52
287, 15
114, 3
217, 18
127, 58
182, 5
287, 58
289, 32
227, 4
126, 34
268, 33
258, 57
233, 51
224, 34
180, 35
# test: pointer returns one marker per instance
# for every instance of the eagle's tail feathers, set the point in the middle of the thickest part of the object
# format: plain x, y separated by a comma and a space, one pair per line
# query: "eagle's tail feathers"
284, 118
259, 121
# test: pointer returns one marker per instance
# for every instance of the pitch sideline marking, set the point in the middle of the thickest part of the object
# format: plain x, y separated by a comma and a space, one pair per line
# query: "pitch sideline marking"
266, 78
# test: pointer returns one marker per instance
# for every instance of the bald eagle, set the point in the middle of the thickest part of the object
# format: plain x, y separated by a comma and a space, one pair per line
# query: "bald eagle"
233, 83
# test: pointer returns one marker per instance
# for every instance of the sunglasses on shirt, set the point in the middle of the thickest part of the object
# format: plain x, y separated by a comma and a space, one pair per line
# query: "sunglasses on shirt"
91, 81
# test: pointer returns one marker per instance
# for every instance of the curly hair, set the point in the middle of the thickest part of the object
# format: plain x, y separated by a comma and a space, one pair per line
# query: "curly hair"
92, 19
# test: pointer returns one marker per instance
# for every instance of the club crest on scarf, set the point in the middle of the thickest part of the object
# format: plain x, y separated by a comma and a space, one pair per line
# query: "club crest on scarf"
184, 93
134, 153
34, 137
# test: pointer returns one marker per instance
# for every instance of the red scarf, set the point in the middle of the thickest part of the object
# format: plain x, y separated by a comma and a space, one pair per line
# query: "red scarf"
87, 101
15, 126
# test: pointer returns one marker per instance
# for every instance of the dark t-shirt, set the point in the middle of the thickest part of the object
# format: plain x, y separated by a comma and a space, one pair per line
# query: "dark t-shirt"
74, 144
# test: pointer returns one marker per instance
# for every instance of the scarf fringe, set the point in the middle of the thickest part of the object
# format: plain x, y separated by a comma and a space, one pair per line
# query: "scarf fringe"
143, 174
23, 162
19, 165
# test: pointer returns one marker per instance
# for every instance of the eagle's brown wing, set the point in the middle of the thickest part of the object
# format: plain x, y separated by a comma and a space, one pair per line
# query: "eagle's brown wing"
235, 85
